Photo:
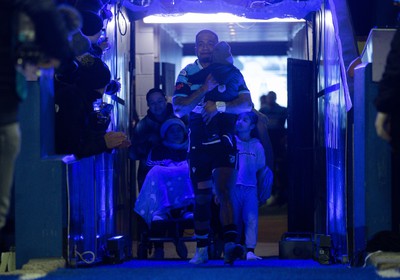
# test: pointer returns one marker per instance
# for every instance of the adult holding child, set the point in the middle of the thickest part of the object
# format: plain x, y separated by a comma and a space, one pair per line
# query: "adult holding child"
212, 160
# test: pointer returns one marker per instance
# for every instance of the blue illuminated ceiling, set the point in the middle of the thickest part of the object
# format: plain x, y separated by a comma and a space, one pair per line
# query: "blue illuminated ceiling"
246, 32
250, 9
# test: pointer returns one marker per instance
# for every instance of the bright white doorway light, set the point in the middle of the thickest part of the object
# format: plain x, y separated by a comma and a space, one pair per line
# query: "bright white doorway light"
262, 74
209, 18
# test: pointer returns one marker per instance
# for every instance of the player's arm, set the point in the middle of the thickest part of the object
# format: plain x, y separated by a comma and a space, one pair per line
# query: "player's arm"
184, 104
240, 104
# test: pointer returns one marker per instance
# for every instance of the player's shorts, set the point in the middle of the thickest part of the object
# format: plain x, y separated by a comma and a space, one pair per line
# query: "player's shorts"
204, 158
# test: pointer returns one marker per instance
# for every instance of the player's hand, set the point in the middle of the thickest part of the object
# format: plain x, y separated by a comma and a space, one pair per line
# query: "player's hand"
209, 83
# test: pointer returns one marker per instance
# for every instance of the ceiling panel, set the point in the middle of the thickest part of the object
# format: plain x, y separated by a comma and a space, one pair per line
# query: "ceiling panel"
243, 32
254, 9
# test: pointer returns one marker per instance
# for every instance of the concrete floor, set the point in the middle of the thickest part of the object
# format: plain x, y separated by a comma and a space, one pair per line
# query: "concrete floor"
272, 224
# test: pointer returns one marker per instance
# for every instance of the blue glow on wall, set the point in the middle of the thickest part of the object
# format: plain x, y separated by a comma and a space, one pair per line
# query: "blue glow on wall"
335, 138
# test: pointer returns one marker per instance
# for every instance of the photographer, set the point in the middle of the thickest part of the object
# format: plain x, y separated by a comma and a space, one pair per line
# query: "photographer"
82, 118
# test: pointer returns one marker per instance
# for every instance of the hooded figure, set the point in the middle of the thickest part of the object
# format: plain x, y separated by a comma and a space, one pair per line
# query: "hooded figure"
92, 26
92, 23
81, 117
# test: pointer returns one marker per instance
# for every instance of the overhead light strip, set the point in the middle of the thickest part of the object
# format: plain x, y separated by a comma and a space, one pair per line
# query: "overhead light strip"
209, 18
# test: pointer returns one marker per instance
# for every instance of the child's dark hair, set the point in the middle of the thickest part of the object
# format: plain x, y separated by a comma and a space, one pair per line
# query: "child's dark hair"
153, 90
253, 119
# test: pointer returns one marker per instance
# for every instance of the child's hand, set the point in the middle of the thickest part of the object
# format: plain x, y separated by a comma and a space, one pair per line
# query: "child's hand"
209, 111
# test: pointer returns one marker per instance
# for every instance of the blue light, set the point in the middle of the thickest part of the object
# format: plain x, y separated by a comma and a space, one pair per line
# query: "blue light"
116, 237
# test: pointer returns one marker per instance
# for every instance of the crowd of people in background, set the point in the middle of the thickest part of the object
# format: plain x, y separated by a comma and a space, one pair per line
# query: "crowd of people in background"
277, 131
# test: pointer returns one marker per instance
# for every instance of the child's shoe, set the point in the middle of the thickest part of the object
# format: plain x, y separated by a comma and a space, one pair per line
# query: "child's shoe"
250, 256
201, 256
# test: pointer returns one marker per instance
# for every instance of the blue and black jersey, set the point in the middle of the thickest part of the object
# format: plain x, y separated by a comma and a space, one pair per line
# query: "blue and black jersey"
231, 85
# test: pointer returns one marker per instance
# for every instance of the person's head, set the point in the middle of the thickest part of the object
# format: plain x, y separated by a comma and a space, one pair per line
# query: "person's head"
93, 73
156, 101
204, 46
270, 98
92, 25
222, 53
80, 44
263, 100
173, 131
246, 122
71, 17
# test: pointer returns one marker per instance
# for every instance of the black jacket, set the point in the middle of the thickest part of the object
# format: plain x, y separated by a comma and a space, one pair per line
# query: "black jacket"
79, 129
146, 134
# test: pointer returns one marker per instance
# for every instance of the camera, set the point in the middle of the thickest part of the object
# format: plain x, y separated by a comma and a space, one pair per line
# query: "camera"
100, 118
